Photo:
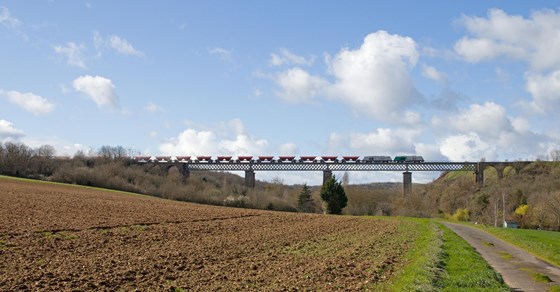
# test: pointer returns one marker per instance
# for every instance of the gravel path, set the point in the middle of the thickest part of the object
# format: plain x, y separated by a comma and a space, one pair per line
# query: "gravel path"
517, 267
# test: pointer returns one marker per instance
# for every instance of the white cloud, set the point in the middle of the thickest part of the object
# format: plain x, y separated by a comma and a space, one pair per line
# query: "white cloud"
73, 54
488, 120
382, 141
12, 23
288, 149
534, 39
467, 147
8, 20
30, 102
285, 57
298, 85
217, 141
190, 142
430, 152
61, 146
153, 107
433, 73
7, 131
122, 46
235, 125
487, 131
116, 43
101, 90
221, 53
545, 90
374, 79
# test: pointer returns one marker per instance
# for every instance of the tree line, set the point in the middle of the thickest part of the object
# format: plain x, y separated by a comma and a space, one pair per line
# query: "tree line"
111, 167
530, 196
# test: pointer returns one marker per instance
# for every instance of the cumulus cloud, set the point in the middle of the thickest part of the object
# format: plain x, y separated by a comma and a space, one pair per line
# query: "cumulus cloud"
73, 54
545, 90
221, 53
30, 102
448, 100
285, 57
382, 141
215, 141
534, 39
488, 119
487, 131
117, 43
288, 149
433, 73
100, 89
297, 85
374, 79
8, 131
467, 147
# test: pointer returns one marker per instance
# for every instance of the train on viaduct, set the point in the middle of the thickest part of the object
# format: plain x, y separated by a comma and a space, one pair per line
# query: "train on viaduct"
326, 164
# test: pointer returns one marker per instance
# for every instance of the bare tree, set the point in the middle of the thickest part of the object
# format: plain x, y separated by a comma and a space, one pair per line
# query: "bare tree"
17, 159
555, 155
553, 207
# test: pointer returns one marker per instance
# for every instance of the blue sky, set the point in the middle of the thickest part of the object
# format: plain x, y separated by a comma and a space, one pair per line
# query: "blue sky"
448, 80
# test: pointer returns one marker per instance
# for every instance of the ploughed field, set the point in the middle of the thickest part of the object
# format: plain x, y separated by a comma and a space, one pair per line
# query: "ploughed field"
62, 237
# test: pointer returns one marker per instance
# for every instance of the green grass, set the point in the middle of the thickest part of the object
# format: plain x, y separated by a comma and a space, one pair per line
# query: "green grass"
506, 256
423, 260
66, 235
442, 261
554, 289
544, 244
465, 269
538, 277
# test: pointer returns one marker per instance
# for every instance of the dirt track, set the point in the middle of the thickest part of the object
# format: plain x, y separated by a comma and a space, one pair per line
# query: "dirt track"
516, 266
56, 237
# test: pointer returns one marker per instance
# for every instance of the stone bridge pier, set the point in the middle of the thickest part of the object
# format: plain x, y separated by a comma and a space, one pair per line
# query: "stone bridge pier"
250, 179
407, 182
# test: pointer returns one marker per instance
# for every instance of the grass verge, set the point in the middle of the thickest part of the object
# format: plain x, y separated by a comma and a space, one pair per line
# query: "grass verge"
544, 244
465, 269
423, 260
442, 261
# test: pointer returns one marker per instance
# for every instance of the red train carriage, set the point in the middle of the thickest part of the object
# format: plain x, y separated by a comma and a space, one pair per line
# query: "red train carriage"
286, 158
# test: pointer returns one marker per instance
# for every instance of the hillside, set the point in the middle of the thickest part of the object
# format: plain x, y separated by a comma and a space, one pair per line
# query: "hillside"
536, 185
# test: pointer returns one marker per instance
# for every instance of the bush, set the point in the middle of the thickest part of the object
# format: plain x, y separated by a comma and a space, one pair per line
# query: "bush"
459, 215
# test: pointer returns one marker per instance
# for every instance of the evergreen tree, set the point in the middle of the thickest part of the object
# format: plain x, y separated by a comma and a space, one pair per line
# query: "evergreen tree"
305, 201
334, 196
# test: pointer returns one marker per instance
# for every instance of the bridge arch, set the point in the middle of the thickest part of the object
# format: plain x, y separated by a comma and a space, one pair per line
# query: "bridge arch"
501, 168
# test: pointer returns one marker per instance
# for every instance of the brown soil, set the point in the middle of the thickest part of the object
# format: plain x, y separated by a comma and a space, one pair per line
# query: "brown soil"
58, 237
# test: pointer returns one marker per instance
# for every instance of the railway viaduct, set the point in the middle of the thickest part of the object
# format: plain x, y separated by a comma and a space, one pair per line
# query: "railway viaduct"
325, 164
